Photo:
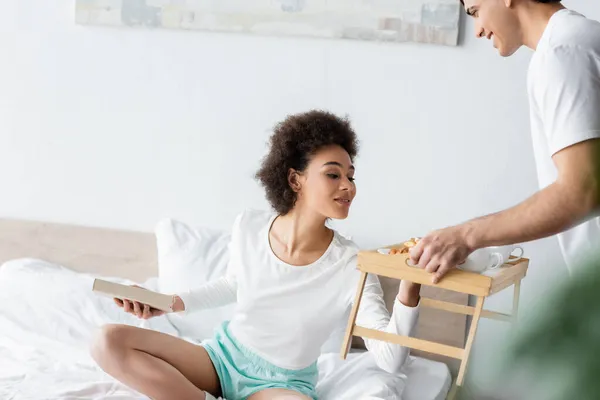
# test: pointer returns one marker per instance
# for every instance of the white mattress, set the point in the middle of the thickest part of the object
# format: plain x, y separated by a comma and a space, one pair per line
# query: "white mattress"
359, 377
49, 314
426, 379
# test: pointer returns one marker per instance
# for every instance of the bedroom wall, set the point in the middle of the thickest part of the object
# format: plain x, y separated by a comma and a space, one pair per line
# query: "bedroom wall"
121, 127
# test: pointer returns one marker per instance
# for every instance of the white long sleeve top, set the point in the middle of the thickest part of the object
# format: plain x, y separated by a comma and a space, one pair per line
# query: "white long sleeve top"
285, 313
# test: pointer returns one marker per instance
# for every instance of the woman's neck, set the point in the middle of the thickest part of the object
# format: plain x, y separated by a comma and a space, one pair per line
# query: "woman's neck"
300, 231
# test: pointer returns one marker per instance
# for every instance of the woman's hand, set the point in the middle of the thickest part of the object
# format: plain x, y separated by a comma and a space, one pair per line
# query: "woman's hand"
178, 305
409, 293
144, 311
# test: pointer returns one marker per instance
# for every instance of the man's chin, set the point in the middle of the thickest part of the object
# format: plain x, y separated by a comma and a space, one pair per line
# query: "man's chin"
507, 52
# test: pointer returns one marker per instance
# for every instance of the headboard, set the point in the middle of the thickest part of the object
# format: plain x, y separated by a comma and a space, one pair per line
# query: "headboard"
132, 255
103, 251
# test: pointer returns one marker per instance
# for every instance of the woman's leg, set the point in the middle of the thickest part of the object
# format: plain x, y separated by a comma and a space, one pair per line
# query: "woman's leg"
278, 394
158, 365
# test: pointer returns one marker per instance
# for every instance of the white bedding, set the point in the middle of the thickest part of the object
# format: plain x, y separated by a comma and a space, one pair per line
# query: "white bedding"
49, 314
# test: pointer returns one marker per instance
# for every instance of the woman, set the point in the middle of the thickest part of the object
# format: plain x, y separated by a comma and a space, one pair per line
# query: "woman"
293, 279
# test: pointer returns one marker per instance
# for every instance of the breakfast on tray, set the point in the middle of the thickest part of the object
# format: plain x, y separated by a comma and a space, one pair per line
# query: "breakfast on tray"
403, 249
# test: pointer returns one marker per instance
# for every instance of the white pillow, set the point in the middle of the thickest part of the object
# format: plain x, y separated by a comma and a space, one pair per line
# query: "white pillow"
189, 257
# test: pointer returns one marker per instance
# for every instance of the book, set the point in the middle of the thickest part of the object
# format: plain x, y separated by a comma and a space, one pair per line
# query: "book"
155, 300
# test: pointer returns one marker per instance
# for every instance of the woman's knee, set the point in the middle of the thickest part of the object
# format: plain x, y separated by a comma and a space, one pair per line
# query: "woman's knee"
109, 343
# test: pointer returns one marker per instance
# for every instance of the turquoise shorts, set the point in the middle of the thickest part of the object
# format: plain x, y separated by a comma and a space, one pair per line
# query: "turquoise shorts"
243, 373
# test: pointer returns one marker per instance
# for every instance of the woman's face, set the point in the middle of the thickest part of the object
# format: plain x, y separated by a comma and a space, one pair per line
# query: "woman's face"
327, 185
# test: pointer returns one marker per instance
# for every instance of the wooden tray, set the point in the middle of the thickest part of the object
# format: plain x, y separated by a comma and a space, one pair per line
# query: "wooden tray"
490, 282
482, 285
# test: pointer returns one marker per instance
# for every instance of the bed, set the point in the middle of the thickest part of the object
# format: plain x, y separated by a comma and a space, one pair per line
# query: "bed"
49, 313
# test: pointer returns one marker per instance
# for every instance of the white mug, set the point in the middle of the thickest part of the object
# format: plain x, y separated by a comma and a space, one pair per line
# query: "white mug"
490, 258
507, 251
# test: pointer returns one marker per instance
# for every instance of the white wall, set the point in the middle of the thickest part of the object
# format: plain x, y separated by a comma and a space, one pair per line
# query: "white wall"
120, 127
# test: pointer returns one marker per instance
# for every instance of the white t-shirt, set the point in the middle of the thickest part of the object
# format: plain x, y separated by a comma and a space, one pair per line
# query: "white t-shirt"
285, 313
564, 96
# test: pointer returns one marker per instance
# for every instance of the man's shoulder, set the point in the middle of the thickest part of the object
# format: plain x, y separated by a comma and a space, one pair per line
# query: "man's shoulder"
569, 51
574, 33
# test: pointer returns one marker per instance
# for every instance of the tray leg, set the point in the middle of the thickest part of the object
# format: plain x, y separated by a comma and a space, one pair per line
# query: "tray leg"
515, 310
353, 314
470, 339
453, 391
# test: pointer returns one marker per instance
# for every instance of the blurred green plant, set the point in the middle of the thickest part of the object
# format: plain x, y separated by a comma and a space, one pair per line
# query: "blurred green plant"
555, 353
560, 343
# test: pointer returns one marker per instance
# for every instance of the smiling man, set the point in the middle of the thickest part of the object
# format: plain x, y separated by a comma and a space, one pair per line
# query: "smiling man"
564, 97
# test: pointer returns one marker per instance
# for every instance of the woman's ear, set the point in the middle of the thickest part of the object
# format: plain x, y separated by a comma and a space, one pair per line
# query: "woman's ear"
294, 180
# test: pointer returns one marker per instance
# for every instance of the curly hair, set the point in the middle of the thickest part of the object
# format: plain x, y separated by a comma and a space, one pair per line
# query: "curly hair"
292, 144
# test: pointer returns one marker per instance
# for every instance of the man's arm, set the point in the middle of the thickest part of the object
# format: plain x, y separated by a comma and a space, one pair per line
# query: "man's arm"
568, 97
574, 197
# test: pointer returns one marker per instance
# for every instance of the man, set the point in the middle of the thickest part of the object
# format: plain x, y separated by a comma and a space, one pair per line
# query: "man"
564, 96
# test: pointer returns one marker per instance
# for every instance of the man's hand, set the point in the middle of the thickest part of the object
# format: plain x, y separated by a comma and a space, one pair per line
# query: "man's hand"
442, 250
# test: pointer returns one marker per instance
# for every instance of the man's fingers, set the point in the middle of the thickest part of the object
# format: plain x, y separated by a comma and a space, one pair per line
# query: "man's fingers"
442, 270
425, 258
432, 266
415, 253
